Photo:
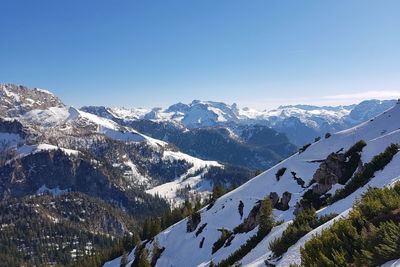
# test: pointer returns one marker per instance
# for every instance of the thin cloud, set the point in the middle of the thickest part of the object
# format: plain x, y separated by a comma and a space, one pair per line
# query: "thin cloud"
365, 95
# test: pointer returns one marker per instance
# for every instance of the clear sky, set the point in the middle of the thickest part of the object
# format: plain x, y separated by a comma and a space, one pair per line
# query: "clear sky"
258, 53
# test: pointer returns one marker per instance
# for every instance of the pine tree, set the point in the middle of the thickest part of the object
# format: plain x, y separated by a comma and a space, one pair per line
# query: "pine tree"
266, 219
143, 259
124, 260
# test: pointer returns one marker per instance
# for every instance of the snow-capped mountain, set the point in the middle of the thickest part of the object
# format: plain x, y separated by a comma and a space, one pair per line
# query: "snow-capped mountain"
330, 175
36, 128
301, 123
252, 146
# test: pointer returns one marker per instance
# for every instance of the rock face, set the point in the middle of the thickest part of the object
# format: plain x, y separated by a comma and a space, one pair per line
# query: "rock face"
251, 221
280, 203
329, 173
17, 100
337, 168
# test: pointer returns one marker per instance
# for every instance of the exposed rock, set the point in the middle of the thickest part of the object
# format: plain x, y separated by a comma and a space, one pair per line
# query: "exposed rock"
279, 173
202, 242
16, 100
274, 198
251, 220
240, 208
329, 173
338, 167
280, 203
298, 179
284, 202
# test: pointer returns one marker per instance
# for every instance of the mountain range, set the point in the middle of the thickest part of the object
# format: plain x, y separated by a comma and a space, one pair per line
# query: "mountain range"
73, 181
301, 123
284, 216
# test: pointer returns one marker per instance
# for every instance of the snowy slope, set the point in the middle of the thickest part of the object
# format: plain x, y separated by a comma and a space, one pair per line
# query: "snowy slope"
191, 179
180, 245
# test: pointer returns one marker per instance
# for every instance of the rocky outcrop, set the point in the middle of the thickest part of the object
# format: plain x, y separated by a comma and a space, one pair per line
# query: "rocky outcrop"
16, 100
251, 221
298, 180
338, 167
280, 203
12, 127
329, 173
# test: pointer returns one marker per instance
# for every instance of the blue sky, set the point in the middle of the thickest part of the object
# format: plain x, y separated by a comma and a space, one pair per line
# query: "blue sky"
154, 53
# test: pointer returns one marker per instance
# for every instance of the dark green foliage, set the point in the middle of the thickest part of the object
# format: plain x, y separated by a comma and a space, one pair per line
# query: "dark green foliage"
229, 241
327, 135
124, 260
232, 176
193, 221
260, 145
266, 219
201, 228
36, 227
265, 226
279, 173
362, 178
304, 222
56, 169
304, 148
370, 236
353, 157
217, 192
111, 252
225, 235
317, 139
313, 200
356, 148
157, 251
152, 226
143, 259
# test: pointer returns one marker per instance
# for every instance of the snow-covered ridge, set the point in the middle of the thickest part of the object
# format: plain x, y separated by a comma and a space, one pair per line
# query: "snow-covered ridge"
378, 133
306, 121
50, 125
207, 113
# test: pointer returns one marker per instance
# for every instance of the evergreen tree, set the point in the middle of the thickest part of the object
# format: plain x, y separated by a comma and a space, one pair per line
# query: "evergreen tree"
124, 260
266, 219
143, 259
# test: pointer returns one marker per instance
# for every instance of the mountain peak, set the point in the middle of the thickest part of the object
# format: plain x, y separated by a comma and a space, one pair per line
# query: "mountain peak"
16, 99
